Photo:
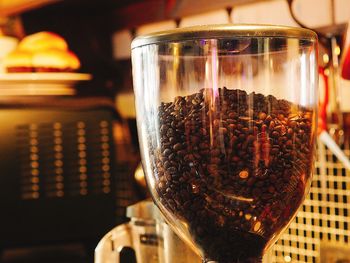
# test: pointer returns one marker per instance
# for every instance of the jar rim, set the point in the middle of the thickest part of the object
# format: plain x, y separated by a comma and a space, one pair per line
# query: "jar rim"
222, 31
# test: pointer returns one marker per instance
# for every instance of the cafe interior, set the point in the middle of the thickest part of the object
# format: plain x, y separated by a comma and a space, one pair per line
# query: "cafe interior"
73, 155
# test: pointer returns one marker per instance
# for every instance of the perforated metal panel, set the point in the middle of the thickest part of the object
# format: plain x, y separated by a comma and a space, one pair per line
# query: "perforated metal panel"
324, 217
64, 159
59, 178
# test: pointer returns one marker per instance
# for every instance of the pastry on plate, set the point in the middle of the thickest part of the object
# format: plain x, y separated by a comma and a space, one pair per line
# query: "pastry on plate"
42, 52
42, 41
18, 61
54, 60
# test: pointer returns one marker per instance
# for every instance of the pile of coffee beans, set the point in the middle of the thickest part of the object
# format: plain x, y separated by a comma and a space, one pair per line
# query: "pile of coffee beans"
234, 167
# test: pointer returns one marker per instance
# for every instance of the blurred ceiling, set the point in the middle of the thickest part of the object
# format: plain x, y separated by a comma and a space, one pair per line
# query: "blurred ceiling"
13, 7
121, 10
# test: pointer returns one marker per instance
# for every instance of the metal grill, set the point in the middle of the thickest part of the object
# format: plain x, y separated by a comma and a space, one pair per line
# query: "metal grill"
323, 221
64, 159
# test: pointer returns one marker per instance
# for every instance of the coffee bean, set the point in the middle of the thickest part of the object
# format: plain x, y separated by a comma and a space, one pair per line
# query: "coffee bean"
256, 192
224, 169
259, 184
250, 139
171, 156
166, 164
251, 181
271, 189
172, 170
177, 147
292, 124
262, 116
281, 129
215, 160
275, 134
167, 152
223, 130
203, 145
203, 131
232, 115
215, 152
289, 144
170, 132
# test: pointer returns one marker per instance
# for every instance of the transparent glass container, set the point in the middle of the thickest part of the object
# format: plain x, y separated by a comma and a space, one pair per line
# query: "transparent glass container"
226, 117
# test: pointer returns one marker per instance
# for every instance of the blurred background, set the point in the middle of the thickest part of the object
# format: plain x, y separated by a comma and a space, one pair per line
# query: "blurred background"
69, 147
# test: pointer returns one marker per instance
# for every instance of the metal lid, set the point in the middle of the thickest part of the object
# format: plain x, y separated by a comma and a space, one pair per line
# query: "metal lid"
223, 31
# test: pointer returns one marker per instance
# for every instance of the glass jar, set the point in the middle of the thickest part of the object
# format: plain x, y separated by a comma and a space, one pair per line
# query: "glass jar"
226, 117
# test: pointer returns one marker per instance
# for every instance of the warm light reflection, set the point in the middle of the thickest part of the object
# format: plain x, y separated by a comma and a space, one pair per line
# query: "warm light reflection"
34, 157
58, 155
58, 148
304, 87
57, 133
83, 169
34, 142
105, 153
104, 131
104, 124
105, 168
57, 125
81, 147
104, 146
104, 138
106, 190
34, 149
81, 125
34, 180
287, 259
337, 50
326, 72
81, 132
106, 175
325, 58
59, 170
59, 178
82, 162
176, 62
81, 140
34, 164
58, 141
106, 182
35, 172
37, 91
33, 134
58, 163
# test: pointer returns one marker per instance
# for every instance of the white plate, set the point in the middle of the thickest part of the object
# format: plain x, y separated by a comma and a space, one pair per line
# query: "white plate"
40, 83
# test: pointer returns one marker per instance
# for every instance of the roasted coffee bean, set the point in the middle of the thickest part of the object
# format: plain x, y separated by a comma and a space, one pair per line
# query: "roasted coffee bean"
275, 134
177, 147
230, 170
167, 152
292, 124
262, 116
